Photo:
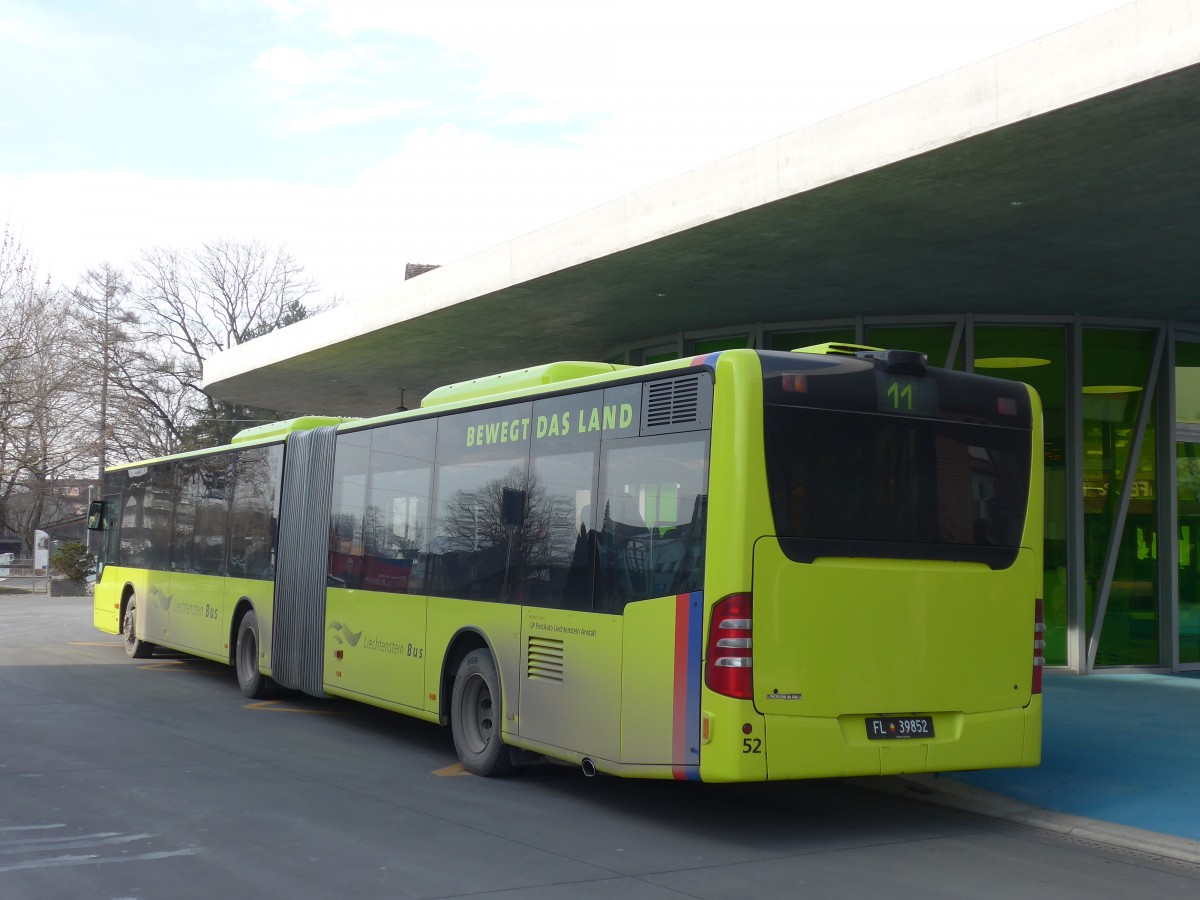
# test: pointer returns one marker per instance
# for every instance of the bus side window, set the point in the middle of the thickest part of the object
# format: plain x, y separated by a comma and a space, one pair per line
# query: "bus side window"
396, 526
158, 517
563, 537
653, 499
473, 553
351, 460
114, 503
253, 512
202, 515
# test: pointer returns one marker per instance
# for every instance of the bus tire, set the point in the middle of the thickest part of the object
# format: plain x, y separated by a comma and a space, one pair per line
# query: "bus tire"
476, 717
134, 648
254, 684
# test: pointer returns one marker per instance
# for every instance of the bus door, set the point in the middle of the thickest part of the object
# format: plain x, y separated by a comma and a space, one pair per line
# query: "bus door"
195, 613
253, 518
376, 609
145, 544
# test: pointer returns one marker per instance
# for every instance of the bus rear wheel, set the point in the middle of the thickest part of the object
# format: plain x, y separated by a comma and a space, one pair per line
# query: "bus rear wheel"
476, 716
134, 648
254, 684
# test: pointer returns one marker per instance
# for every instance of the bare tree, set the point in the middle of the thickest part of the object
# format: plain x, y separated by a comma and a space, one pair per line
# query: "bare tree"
57, 444
111, 370
196, 304
19, 301
138, 400
43, 436
108, 331
20, 304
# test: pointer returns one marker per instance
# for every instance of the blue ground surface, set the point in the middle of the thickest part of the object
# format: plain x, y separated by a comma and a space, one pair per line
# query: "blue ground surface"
1119, 748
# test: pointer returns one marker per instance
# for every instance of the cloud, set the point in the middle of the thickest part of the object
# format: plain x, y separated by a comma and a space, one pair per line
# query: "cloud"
285, 10
338, 116
319, 91
696, 80
491, 120
444, 194
297, 68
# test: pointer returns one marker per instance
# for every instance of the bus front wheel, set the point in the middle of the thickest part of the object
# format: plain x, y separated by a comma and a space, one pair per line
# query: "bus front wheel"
476, 715
134, 648
254, 684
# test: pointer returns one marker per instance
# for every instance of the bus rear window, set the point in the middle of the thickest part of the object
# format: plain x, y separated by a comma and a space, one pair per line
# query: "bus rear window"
863, 484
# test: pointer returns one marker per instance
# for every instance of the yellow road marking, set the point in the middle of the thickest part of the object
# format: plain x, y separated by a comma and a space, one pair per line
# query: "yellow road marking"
274, 706
163, 664
451, 771
96, 644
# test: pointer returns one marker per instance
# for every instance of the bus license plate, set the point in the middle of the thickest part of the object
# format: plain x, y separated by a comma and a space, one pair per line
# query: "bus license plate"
886, 728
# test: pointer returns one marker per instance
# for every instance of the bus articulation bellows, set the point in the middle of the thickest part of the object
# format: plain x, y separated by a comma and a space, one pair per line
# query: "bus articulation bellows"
745, 566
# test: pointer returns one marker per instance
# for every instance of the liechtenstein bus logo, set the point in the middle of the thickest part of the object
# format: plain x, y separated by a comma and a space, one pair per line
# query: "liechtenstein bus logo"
158, 596
344, 635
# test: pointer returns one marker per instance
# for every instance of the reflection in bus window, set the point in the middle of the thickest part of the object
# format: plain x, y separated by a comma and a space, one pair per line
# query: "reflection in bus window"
254, 512
146, 515
476, 552
396, 523
847, 484
201, 515
562, 472
351, 462
560, 506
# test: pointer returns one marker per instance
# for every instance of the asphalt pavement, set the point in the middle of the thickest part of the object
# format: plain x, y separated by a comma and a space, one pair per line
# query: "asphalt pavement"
155, 778
1120, 761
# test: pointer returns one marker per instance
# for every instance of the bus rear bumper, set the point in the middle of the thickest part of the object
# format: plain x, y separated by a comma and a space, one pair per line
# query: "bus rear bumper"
809, 747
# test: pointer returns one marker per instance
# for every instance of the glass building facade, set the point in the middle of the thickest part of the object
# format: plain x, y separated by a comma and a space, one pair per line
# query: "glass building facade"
1121, 403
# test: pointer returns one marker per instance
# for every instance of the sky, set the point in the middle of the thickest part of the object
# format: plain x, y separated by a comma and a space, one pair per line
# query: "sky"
365, 135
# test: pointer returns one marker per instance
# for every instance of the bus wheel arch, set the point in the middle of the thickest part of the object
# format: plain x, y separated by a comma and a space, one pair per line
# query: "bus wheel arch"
134, 648
477, 714
464, 641
245, 651
243, 606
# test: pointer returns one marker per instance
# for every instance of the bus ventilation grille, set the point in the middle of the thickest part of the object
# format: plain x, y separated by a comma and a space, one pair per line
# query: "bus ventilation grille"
545, 658
678, 404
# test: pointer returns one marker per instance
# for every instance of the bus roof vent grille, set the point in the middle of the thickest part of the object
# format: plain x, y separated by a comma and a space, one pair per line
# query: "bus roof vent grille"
677, 404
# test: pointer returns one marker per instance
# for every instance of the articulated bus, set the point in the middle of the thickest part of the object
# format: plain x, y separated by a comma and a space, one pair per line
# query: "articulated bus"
746, 566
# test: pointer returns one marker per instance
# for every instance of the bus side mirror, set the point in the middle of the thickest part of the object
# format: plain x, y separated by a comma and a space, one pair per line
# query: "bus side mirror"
95, 518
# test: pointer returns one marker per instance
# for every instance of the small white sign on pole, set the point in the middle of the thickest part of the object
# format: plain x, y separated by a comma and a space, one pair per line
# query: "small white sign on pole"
41, 551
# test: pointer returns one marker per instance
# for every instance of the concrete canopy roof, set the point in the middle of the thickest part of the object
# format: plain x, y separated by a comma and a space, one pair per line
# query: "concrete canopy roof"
1061, 177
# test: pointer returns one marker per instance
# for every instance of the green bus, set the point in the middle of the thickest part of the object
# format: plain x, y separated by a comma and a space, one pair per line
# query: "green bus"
745, 566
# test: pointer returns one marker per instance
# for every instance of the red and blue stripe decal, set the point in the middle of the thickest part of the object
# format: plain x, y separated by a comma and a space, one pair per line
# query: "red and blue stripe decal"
709, 359
685, 714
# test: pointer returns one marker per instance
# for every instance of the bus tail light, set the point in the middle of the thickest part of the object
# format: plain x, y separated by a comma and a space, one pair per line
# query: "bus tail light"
729, 665
1039, 645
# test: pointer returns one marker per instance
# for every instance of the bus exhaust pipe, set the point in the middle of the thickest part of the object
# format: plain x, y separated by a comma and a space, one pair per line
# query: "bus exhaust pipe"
588, 767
